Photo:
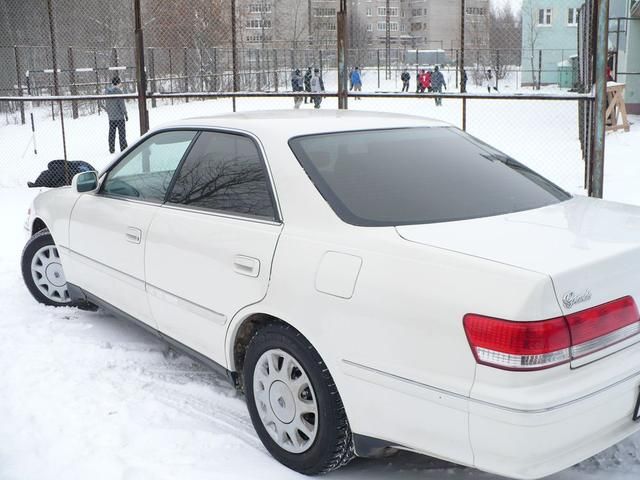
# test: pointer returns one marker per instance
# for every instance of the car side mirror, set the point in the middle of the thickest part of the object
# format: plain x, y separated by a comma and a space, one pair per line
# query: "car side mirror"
85, 182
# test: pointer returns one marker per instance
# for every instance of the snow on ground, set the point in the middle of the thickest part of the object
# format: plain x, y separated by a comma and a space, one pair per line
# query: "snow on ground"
86, 395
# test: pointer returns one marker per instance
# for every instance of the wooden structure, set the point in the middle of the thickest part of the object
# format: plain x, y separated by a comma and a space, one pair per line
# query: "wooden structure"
616, 107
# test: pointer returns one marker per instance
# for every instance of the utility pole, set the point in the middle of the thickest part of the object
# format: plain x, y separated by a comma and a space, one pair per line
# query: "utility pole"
341, 27
141, 76
597, 174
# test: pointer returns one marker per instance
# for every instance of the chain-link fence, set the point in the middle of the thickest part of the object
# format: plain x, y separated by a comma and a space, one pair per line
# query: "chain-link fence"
492, 70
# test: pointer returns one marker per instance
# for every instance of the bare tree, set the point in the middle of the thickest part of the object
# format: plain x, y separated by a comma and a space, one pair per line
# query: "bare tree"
530, 33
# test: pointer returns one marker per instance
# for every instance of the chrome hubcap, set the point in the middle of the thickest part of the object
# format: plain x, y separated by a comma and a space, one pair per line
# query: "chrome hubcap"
48, 275
286, 401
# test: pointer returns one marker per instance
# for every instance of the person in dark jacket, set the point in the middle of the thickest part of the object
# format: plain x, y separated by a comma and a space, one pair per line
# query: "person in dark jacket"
307, 84
117, 113
297, 85
406, 78
437, 83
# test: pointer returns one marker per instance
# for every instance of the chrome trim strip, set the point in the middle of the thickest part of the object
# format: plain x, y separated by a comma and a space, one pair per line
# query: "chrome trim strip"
491, 404
194, 308
215, 213
609, 340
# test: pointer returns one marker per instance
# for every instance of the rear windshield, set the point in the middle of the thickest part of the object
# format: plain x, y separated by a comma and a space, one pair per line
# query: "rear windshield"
418, 175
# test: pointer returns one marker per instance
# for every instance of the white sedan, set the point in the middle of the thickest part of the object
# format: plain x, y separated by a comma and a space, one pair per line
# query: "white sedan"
370, 281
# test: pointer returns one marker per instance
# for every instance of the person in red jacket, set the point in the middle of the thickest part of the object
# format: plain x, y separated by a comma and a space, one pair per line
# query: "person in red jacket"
427, 81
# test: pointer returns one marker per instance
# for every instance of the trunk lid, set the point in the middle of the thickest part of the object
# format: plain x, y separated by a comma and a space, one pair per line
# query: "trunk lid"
589, 248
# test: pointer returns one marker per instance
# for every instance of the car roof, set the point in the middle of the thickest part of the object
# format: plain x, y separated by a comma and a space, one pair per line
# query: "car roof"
292, 123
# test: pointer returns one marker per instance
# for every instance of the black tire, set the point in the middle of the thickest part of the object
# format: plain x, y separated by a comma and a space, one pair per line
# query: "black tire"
333, 445
39, 240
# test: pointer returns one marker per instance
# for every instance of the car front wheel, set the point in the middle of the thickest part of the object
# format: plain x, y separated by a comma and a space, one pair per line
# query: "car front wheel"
42, 270
294, 403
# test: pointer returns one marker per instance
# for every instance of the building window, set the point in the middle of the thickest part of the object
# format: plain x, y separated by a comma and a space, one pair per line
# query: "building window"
258, 38
418, 12
403, 27
382, 11
369, 27
258, 24
573, 16
476, 11
264, 7
393, 26
324, 12
544, 16
327, 26
368, 11
415, 27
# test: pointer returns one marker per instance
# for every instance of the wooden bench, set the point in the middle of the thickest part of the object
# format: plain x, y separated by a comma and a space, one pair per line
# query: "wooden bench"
615, 106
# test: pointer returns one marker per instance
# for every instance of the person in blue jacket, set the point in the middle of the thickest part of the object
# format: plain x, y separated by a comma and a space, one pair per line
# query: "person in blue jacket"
356, 81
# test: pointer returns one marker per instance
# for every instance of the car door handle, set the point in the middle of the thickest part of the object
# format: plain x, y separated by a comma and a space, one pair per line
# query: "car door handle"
246, 265
134, 235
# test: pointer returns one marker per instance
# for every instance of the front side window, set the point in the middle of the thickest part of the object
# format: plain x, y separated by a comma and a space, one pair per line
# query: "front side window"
409, 176
146, 172
224, 172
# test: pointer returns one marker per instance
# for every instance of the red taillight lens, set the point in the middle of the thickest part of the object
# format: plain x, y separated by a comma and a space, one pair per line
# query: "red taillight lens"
602, 326
544, 344
518, 345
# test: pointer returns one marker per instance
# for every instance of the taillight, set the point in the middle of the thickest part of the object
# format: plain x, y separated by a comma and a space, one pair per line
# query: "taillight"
602, 326
543, 344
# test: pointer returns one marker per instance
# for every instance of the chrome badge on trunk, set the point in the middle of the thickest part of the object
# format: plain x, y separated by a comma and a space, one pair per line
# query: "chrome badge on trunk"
570, 299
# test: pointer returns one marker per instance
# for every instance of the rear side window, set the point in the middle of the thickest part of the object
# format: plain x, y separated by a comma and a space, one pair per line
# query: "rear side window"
146, 172
224, 172
418, 175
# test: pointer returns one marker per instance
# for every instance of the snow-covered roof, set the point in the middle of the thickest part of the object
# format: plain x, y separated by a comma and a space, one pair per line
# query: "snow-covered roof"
290, 123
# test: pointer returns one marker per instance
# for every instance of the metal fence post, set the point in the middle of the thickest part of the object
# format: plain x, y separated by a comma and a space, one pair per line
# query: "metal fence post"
341, 27
234, 53
378, 55
56, 88
539, 69
141, 77
170, 73
463, 88
185, 73
152, 74
497, 68
275, 68
19, 83
597, 174
72, 78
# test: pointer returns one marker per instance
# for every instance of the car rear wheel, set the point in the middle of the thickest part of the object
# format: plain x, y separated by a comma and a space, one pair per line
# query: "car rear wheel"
294, 403
42, 270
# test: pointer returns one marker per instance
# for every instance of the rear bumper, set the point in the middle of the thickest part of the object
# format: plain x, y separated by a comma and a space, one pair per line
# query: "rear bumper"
535, 444
516, 443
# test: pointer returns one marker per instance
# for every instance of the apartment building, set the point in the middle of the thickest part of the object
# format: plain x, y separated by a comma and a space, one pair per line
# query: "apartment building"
411, 23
